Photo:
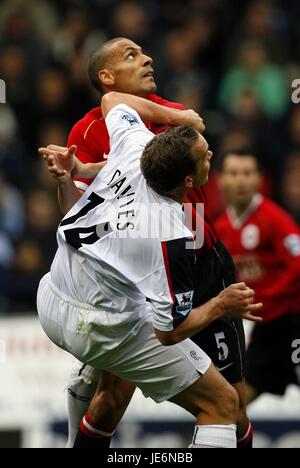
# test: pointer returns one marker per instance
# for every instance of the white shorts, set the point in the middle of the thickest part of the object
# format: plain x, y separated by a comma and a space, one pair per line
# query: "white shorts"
160, 372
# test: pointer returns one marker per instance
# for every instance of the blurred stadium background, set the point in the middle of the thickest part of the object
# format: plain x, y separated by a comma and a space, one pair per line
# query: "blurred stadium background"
234, 62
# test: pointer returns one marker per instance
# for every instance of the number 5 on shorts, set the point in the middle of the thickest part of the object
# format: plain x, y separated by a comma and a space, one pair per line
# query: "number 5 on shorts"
222, 346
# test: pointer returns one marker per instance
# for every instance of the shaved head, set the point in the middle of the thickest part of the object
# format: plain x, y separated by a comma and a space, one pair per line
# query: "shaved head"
121, 65
103, 58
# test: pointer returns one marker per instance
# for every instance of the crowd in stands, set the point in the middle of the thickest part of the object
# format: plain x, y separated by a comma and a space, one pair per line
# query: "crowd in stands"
234, 62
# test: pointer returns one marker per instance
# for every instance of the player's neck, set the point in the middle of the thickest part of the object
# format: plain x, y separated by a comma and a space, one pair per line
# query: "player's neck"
179, 195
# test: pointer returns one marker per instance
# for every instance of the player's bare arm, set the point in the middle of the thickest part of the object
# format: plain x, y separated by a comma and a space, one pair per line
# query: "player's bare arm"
150, 111
64, 167
63, 164
235, 301
61, 168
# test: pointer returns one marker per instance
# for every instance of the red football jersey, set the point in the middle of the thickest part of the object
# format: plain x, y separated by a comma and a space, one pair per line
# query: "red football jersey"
91, 137
265, 245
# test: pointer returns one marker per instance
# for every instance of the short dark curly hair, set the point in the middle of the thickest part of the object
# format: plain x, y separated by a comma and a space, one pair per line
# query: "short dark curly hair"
168, 159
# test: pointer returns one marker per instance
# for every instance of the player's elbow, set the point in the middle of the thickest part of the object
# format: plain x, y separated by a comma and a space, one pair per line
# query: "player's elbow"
167, 338
109, 101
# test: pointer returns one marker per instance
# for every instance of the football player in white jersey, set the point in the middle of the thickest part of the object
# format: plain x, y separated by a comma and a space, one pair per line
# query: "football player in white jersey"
93, 303
97, 400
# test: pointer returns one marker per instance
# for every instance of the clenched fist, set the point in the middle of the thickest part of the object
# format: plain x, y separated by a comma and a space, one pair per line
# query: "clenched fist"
238, 301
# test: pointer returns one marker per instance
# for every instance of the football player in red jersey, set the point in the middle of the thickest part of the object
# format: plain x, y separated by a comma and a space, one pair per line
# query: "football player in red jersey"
265, 243
122, 66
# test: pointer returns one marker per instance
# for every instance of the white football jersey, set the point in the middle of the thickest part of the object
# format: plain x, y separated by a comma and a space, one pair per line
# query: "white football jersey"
123, 248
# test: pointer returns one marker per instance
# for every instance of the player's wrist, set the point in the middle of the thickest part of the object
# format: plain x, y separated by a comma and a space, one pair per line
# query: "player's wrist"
79, 170
177, 118
218, 307
65, 180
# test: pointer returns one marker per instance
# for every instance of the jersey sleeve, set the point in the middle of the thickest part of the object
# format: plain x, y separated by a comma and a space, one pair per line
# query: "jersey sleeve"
286, 236
172, 288
82, 153
126, 131
286, 243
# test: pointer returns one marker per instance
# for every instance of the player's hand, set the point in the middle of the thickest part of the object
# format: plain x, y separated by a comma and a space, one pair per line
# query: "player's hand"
193, 119
61, 161
253, 318
237, 301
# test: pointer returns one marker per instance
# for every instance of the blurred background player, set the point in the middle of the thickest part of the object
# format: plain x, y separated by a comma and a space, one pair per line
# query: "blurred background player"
264, 241
120, 65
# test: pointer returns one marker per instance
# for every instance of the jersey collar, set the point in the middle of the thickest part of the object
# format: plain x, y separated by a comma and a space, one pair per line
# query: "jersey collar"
238, 221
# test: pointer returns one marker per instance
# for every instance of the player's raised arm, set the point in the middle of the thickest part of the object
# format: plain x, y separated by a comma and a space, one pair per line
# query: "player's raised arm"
64, 167
63, 164
150, 111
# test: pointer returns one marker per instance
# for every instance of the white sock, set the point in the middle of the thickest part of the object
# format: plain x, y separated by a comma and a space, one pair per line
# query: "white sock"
81, 389
79, 398
214, 437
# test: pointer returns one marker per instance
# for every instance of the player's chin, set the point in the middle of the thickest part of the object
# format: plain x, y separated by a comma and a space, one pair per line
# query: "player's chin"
243, 198
150, 87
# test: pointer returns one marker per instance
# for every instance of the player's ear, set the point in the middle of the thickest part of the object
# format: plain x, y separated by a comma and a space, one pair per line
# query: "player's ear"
189, 182
106, 78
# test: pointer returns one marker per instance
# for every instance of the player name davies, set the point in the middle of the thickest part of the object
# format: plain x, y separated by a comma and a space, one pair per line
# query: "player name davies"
152, 458
117, 183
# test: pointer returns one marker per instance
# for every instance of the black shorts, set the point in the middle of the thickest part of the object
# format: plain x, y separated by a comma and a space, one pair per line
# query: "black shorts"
273, 362
224, 339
